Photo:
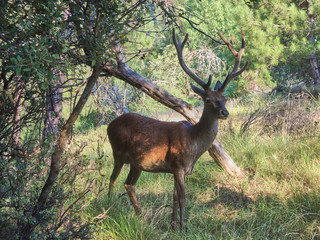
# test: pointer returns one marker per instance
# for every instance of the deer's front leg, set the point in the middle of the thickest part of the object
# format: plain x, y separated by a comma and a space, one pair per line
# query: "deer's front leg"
179, 186
130, 183
174, 209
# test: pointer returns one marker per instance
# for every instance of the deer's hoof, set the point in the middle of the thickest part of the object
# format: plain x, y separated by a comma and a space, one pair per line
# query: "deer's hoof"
174, 225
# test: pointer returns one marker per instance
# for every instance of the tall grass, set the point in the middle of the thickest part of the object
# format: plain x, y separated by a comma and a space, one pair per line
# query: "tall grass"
278, 198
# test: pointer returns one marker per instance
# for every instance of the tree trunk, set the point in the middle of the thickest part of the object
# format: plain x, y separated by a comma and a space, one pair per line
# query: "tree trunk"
314, 61
223, 159
53, 108
17, 114
28, 228
123, 72
315, 69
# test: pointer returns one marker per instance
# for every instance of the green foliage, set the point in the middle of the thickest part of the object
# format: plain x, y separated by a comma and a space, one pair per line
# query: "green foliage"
42, 25
289, 25
126, 227
42, 38
277, 33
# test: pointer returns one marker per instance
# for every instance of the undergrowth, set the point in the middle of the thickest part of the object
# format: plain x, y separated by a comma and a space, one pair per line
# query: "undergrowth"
278, 198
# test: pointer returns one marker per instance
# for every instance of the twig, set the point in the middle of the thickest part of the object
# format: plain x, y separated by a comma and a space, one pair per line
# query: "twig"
250, 120
103, 216
71, 206
83, 81
192, 25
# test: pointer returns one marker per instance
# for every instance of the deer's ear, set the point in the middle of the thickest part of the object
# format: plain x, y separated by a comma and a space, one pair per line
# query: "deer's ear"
198, 90
217, 86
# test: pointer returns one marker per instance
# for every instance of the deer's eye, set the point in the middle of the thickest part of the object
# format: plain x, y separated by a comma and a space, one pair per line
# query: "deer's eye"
208, 100
215, 104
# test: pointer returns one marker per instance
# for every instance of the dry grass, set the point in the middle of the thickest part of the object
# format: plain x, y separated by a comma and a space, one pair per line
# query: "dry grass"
293, 116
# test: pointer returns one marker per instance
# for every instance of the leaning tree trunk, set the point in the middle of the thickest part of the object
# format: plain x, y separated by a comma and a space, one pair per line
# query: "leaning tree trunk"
60, 146
123, 72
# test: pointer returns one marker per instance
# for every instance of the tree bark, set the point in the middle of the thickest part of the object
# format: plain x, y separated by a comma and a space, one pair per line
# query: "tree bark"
224, 160
17, 114
315, 69
123, 72
314, 61
53, 108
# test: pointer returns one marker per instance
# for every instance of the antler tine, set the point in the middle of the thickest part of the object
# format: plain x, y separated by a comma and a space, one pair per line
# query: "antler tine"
243, 39
234, 52
238, 55
231, 41
209, 82
179, 46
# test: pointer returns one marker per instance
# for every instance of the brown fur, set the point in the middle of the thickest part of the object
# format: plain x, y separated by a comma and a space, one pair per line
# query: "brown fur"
149, 144
156, 146
173, 147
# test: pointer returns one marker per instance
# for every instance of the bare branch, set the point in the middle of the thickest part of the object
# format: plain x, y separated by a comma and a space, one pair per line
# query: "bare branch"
61, 220
131, 9
194, 27
83, 81
103, 215
3, 38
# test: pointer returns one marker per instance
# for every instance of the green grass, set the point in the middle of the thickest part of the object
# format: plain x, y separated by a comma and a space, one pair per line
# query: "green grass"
278, 198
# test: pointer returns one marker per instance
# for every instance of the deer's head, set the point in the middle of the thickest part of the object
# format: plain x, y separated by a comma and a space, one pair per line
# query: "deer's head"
214, 100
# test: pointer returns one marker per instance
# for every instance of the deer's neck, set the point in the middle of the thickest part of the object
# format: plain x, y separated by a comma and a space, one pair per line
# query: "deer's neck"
205, 131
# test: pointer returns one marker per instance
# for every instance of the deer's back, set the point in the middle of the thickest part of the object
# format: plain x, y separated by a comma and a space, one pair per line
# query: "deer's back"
149, 144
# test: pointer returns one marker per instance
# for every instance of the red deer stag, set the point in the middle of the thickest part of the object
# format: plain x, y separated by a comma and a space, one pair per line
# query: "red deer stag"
170, 147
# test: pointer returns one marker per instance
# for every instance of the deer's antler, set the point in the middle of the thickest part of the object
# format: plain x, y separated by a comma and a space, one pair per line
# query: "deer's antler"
179, 46
238, 55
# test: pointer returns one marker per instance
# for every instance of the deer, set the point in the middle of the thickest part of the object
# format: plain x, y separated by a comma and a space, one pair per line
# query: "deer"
158, 146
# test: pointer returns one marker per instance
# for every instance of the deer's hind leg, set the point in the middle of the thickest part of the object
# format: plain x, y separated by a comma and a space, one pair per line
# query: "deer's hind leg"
130, 183
175, 209
115, 173
179, 186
